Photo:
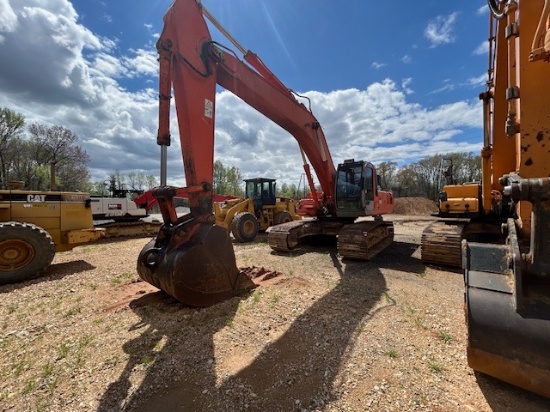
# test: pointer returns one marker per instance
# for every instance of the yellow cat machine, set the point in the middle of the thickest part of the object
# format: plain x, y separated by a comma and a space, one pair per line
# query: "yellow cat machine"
35, 225
504, 243
260, 210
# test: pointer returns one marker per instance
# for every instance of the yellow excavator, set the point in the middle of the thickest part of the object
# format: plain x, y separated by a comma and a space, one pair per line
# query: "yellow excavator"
260, 209
498, 231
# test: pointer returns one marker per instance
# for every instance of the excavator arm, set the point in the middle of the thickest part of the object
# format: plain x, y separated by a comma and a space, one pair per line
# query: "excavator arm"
193, 64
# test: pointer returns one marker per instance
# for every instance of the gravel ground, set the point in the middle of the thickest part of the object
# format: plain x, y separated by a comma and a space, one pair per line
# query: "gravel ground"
326, 335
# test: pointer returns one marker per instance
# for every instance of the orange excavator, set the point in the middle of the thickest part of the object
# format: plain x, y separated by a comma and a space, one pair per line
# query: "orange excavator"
503, 240
191, 258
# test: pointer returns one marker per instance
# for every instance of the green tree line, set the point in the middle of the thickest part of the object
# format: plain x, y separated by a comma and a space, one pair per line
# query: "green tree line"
424, 178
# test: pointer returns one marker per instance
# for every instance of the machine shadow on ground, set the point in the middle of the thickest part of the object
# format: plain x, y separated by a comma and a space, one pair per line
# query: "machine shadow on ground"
297, 369
54, 272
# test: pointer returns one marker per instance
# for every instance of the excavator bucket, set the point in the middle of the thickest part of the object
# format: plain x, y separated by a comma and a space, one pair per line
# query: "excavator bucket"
503, 343
193, 262
508, 316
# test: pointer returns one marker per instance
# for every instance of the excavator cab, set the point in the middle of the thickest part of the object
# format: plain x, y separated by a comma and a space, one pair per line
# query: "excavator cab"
355, 188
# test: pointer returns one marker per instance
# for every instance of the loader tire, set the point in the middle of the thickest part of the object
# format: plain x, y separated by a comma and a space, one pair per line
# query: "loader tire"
245, 227
26, 250
282, 217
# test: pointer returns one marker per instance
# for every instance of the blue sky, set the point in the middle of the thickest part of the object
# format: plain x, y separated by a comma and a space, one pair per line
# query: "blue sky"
389, 81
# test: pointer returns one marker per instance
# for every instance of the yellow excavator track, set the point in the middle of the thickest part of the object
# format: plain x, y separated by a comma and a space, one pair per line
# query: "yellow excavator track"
441, 244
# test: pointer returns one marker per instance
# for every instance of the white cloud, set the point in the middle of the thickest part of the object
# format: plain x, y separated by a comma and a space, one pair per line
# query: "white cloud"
376, 124
378, 65
405, 85
472, 82
483, 10
477, 81
447, 87
143, 63
483, 48
55, 71
440, 30
406, 59
8, 19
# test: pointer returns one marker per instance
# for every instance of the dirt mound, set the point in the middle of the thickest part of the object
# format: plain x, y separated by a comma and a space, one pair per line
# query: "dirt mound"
261, 276
416, 206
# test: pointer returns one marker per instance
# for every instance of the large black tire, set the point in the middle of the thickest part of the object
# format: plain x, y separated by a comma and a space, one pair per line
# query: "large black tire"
282, 217
26, 250
245, 227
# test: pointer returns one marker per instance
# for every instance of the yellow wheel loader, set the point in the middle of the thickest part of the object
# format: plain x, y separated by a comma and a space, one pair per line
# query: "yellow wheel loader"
259, 210
35, 225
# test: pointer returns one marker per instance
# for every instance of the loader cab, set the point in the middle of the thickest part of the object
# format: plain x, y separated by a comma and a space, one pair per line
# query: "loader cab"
356, 186
262, 191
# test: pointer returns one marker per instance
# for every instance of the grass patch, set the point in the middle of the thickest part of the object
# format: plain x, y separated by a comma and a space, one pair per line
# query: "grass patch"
116, 281
391, 354
85, 341
388, 298
21, 367
256, 296
73, 311
47, 370
420, 322
11, 309
30, 384
112, 361
446, 337
64, 349
435, 367
147, 359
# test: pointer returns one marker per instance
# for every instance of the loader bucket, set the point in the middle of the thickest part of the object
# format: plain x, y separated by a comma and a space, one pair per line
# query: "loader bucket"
198, 269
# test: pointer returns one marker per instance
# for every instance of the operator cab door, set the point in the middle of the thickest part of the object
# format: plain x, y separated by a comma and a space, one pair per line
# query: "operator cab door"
369, 194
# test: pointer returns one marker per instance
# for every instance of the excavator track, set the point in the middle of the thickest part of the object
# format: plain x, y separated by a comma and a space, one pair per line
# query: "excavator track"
130, 229
285, 237
360, 241
364, 240
441, 244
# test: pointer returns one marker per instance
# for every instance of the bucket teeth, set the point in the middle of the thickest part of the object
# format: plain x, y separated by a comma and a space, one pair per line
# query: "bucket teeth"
198, 271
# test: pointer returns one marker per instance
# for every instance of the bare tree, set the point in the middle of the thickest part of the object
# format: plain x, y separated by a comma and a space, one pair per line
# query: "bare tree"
387, 171
11, 127
57, 145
